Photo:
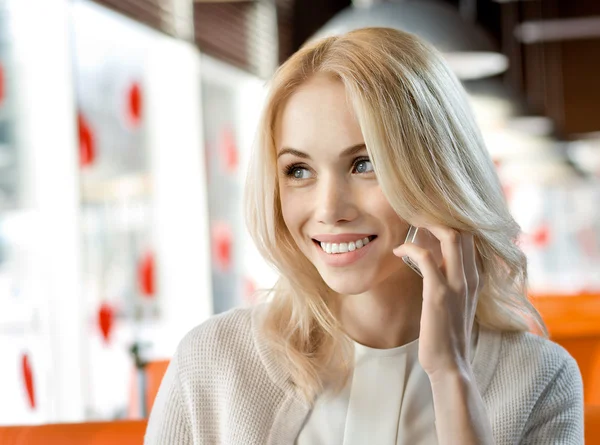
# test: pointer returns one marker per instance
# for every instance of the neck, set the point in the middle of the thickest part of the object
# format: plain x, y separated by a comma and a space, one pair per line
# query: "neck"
386, 316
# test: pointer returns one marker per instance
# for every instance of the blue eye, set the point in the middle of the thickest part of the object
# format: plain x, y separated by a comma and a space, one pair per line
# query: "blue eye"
297, 172
363, 166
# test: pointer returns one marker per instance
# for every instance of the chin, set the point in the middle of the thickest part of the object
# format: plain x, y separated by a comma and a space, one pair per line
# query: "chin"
347, 285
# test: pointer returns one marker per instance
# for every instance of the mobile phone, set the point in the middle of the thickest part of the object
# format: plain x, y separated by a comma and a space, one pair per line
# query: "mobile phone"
425, 239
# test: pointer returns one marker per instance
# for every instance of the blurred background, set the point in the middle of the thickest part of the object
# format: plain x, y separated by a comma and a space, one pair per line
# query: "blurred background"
125, 130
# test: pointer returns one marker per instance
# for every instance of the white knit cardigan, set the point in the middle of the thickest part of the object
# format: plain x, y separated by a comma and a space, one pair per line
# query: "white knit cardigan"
223, 386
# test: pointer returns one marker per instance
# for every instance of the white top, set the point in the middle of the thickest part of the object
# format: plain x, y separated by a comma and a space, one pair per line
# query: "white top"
387, 401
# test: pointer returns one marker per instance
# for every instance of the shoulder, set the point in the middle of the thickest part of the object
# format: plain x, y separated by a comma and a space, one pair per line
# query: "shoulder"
228, 328
220, 336
232, 347
539, 384
536, 355
531, 370
223, 342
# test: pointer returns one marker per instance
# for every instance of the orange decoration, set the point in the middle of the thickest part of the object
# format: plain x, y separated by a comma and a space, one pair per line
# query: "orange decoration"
228, 149
222, 245
87, 145
27, 375
106, 317
541, 237
134, 104
146, 275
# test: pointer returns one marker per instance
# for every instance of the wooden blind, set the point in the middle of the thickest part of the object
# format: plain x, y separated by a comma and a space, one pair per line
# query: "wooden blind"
242, 33
173, 17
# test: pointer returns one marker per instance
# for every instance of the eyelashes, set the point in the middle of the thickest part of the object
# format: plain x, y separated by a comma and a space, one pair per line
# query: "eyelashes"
362, 160
292, 169
289, 170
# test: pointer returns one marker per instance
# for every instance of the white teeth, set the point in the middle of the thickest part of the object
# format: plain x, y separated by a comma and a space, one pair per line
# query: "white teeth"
326, 247
333, 248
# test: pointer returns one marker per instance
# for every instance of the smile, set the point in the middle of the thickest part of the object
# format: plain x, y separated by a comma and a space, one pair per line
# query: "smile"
343, 250
338, 248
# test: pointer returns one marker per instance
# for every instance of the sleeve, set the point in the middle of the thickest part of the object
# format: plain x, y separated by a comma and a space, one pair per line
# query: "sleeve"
168, 422
557, 417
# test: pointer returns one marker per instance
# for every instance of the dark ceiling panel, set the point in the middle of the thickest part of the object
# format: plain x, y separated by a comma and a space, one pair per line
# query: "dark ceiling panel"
580, 74
285, 25
558, 78
222, 31
241, 33
149, 12
311, 15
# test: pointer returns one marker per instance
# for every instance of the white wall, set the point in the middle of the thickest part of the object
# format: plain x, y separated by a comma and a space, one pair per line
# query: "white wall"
53, 333
51, 321
180, 201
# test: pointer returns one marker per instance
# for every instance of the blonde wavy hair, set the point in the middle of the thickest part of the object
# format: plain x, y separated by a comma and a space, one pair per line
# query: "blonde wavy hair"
429, 159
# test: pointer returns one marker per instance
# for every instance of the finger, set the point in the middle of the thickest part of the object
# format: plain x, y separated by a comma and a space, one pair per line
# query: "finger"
451, 244
424, 260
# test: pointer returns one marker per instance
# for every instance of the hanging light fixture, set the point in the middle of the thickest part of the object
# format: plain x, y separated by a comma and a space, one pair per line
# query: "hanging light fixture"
467, 48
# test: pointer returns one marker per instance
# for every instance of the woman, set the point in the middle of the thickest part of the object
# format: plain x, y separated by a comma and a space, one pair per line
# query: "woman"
364, 135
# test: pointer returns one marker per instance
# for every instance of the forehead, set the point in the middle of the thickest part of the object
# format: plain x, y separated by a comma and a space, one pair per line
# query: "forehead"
318, 115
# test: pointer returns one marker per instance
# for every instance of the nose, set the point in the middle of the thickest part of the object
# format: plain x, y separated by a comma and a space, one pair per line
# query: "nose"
335, 201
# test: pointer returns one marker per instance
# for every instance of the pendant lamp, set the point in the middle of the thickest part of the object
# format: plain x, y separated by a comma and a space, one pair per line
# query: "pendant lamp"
468, 49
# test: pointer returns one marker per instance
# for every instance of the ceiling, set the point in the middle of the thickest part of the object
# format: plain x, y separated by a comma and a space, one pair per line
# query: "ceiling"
554, 61
553, 45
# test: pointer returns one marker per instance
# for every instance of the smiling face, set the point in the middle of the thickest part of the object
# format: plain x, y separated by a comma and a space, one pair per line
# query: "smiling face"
330, 198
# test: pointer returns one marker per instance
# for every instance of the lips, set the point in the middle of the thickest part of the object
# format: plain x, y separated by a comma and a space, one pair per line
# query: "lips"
342, 237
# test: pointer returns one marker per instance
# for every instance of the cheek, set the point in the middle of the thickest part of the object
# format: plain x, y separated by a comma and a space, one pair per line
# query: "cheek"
380, 207
375, 203
291, 210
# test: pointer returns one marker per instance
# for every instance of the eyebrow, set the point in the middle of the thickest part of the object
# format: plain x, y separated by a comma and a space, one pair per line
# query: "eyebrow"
346, 152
